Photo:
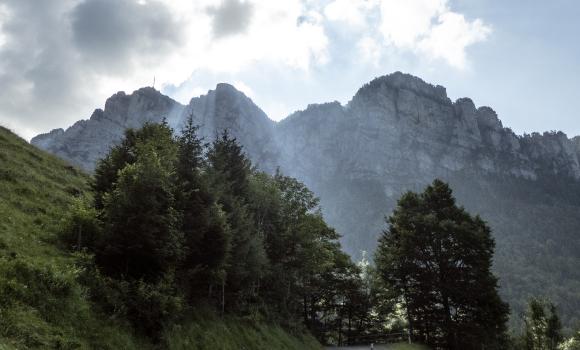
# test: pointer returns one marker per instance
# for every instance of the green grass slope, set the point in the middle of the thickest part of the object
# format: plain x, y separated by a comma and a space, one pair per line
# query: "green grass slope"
42, 303
206, 331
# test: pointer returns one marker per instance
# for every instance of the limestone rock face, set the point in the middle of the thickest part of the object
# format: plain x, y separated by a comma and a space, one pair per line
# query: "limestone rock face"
398, 133
403, 130
89, 140
397, 127
226, 108
223, 108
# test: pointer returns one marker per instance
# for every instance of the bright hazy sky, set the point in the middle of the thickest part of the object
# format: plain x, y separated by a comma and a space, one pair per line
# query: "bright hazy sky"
60, 59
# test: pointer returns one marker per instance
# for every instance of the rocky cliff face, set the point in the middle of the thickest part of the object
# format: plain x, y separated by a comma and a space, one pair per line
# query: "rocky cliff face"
404, 129
397, 133
223, 108
226, 108
89, 140
396, 125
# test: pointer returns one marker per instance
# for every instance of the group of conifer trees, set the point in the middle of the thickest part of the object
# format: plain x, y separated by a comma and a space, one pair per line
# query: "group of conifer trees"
175, 224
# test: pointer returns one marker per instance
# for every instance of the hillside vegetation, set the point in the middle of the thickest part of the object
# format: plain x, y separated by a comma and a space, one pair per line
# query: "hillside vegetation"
44, 303
179, 244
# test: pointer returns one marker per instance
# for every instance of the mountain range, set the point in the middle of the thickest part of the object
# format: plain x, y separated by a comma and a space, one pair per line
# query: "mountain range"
396, 134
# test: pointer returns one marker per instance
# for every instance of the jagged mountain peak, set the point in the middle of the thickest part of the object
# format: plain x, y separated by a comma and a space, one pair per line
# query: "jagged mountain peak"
404, 81
225, 107
397, 109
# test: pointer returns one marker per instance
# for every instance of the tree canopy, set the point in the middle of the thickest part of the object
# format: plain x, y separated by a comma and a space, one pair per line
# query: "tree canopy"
436, 260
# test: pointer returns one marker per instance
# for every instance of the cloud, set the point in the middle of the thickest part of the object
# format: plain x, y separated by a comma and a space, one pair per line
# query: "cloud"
370, 50
449, 38
231, 17
431, 29
37, 70
111, 34
245, 88
60, 59
428, 28
354, 13
404, 22
282, 33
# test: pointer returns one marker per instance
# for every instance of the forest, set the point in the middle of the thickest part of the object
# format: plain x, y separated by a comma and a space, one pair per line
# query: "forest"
173, 230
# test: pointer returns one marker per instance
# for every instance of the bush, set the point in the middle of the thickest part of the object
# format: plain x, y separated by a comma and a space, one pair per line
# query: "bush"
40, 286
152, 306
35, 297
148, 306
80, 227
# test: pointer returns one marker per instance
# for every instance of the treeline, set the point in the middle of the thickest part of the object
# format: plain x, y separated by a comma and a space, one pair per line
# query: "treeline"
176, 224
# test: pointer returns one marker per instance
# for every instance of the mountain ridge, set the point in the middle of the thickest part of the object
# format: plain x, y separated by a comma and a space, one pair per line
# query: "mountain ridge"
478, 125
396, 134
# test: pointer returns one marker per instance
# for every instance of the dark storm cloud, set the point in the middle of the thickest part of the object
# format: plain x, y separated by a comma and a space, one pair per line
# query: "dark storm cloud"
109, 32
231, 17
55, 51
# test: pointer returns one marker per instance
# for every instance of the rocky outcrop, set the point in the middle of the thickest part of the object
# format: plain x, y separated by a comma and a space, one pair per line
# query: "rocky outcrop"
226, 108
89, 140
398, 133
396, 126
404, 129
223, 108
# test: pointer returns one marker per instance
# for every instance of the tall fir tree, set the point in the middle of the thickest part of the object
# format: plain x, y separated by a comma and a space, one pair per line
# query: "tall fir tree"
159, 136
142, 239
436, 258
229, 170
204, 228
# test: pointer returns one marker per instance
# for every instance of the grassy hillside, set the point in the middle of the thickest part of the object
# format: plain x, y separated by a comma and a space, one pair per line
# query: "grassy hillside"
43, 304
208, 332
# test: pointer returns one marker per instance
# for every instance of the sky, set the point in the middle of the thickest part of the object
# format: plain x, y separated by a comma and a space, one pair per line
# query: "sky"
61, 59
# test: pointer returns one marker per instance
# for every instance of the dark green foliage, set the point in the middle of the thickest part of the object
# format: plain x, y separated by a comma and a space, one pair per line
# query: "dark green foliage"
80, 228
229, 171
43, 303
309, 278
534, 255
437, 259
230, 168
175, 227
206, 236
173, 218
141, 238
158, 136
148, 208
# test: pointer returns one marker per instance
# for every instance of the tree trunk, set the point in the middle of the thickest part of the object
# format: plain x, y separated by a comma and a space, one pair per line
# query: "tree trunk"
223, 297
79, 239
450, 338
305, 304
